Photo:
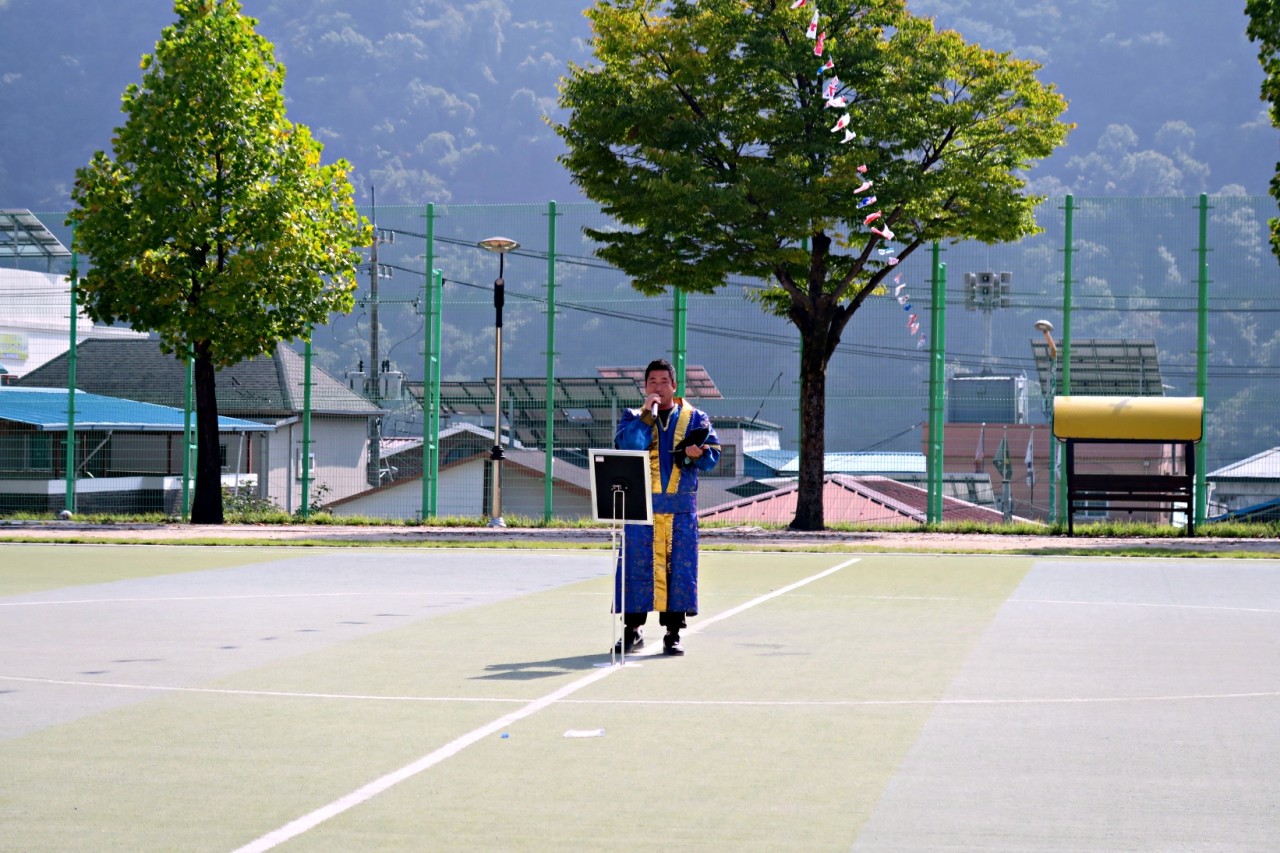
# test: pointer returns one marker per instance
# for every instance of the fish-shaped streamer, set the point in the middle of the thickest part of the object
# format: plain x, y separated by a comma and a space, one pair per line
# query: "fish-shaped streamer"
866, 185
867, 202
798, 4
820, 45
849, 136
872, 217
883, 232
829, 90
827, 66
812, 32
841, 123
837, 103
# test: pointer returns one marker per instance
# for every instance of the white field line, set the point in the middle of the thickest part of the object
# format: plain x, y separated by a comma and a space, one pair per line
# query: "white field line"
367, 792
692, 703
160, 688
246, 596
692, 630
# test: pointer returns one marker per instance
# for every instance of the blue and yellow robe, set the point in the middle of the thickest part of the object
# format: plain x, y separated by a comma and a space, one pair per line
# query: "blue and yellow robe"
662, 560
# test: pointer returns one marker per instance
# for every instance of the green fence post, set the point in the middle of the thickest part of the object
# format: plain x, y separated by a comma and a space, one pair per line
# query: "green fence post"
1202, 356
69, 496
547, 490
679, 339
1057, 484
937, 384
437, 298
187, 446
431, 375
305, 508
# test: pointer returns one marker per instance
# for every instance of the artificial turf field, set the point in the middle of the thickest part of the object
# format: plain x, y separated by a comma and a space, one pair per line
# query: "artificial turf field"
187, 698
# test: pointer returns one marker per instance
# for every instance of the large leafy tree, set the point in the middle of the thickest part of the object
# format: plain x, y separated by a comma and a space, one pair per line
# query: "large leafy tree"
1264, 28
703, 129
215, 225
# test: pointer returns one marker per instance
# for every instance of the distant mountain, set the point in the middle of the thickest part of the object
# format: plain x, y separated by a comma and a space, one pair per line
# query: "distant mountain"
445, 101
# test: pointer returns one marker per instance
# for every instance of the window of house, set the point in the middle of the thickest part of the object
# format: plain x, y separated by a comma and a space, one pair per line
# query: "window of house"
727, 464
297, 463
40, 451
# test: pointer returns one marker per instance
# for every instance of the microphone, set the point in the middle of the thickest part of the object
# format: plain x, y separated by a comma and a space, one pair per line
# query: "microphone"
654, 410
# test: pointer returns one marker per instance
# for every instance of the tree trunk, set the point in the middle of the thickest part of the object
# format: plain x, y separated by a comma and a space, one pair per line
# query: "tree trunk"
813, 418
207, 506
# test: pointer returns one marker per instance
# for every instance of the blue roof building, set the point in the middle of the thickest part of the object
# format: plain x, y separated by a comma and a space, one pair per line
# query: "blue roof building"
128, 455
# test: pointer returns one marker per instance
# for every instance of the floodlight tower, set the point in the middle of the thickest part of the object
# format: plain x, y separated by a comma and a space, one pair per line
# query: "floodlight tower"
987, 291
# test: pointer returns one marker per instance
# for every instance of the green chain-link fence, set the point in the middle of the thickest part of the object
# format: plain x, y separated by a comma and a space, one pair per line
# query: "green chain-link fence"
401, 391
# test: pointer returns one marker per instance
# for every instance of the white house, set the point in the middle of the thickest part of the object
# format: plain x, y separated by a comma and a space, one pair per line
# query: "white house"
35, 325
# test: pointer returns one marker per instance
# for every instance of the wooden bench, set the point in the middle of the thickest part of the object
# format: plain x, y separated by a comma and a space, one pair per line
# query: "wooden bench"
1131, 420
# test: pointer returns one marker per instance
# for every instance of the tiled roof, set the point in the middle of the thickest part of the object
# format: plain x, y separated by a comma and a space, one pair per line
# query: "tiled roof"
872, 500
268, 386
46, 409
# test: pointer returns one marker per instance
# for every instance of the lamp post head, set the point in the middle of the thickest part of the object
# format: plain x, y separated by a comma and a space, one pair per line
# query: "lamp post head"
1046, 328
501, 245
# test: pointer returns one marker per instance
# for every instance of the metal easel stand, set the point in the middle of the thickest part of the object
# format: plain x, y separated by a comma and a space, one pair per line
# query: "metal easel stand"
618, 539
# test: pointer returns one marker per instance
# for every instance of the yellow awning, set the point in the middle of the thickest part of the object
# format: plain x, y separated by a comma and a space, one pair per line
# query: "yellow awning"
1128, 418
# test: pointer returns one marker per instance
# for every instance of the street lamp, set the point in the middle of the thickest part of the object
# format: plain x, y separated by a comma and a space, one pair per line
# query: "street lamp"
1046, 328
501, 245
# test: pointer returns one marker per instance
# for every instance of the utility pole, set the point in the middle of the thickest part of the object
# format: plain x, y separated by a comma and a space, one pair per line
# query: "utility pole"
374, 273
373, 389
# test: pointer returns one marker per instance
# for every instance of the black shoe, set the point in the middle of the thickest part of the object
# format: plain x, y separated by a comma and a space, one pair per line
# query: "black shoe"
671, 645
633, 637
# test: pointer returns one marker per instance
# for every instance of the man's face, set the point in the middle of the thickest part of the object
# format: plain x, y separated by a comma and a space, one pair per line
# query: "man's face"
659, 382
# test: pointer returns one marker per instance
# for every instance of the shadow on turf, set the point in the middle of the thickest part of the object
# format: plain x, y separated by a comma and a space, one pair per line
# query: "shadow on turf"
529, 670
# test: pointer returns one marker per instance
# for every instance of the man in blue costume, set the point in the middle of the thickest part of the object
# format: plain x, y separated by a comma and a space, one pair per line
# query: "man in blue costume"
662, 560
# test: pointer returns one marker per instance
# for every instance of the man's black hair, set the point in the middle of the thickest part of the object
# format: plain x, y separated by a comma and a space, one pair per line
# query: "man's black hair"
660, 364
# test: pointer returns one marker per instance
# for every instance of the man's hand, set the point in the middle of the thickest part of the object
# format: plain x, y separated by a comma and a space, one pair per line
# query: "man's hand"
693, 452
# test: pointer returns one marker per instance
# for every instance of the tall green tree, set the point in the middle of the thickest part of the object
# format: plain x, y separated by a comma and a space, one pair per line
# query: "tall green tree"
215, 224
1264, 28
703, 128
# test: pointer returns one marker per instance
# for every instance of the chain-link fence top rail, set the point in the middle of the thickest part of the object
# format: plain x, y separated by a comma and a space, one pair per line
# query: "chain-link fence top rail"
1134, 276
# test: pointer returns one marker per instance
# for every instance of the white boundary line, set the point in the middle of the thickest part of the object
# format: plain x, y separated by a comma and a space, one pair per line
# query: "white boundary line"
250, 596
367, 792
161, 688
746, 703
